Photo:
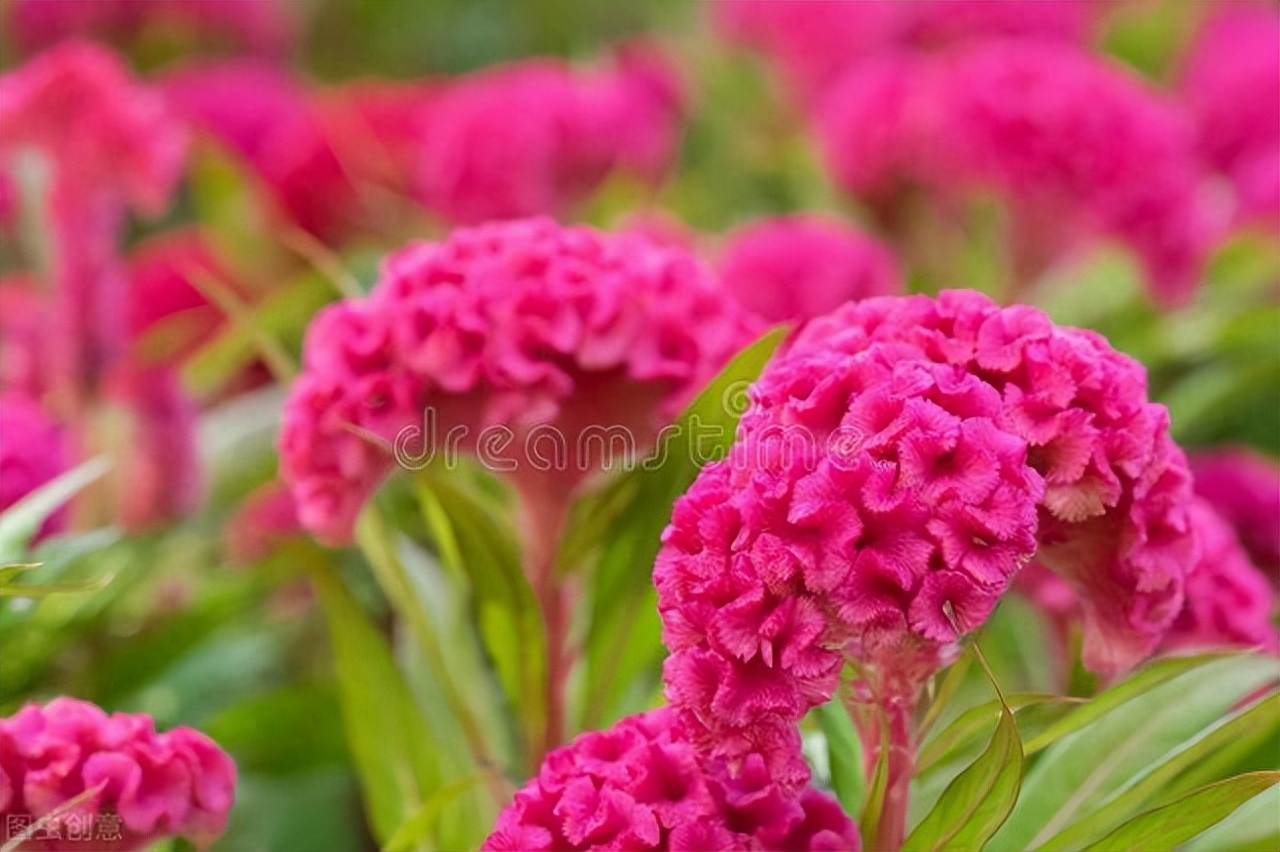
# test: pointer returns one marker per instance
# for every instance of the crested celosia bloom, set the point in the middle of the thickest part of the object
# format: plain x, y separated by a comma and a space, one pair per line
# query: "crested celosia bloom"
259, 25
814, 42
1078, 149
900, 462
641, 785
1231, 82
1243, 486
515, 325
22, 330
167, 309
574, 129
33, 451
149, 785
104, 143
798, 267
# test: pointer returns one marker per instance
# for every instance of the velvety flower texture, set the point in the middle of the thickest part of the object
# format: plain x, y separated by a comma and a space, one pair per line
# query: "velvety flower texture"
814, 41
1077, 148
574, 129
1231, 81
641, 785
1243, 486
157, 784
33, 451
516, 324
901, 460
798, 267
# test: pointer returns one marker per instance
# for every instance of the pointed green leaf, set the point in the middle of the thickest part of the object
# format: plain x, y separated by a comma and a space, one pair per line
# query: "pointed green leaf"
974, 721
21, 521
844, 755
1174, 822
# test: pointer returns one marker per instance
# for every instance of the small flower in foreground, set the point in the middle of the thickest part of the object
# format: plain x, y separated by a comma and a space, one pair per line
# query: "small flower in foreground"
798, 267
641, 785
1231, 82
1228, 601
33, 451
513, 325
153, 785
1243, 486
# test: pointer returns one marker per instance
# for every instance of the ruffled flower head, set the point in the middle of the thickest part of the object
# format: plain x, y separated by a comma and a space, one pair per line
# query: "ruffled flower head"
798, 267
573, 128
1243, 486
1231, 82
641, 785
554, 337
149, 785
1078, 149
900, 462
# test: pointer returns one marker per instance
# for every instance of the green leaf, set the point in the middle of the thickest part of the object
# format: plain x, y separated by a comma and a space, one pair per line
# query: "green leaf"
1139, 684
21, 521
978, 800
479, 548
1187, 765
873, 805
1252, 827
1174, 822
844, 755
1083, 770
422, 825
391, 745
622, 637
970, 724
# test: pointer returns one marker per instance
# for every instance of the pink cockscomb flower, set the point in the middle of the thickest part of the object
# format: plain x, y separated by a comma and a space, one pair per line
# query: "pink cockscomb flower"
550, 333
33, 450
266, 26
872, 507
1078, 149
266, 518
814, 42
148, 785
1228, 601
641, 785
798, 267
1114, 516
1243, 486
575, 128
168, 310
1231, 82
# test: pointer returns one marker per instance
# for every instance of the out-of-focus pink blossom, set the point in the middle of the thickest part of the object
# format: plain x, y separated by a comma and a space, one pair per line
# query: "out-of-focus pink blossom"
33, 451
23, 336
814, 42
1077, 148
163, 300
264, 115
525, 325
98, 130
177, 783
264, 26
1243, 486
1229, 601
267, 517
159, 477
1231, 81
573, 129
641, 785
798, 267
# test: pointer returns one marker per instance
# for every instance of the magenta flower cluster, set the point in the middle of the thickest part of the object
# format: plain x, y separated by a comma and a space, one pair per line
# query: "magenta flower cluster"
1077, 148
900, 462
517, 324
177, 783
642, 785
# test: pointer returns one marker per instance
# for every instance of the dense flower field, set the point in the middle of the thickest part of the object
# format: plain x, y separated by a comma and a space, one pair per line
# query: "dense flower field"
565, 425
